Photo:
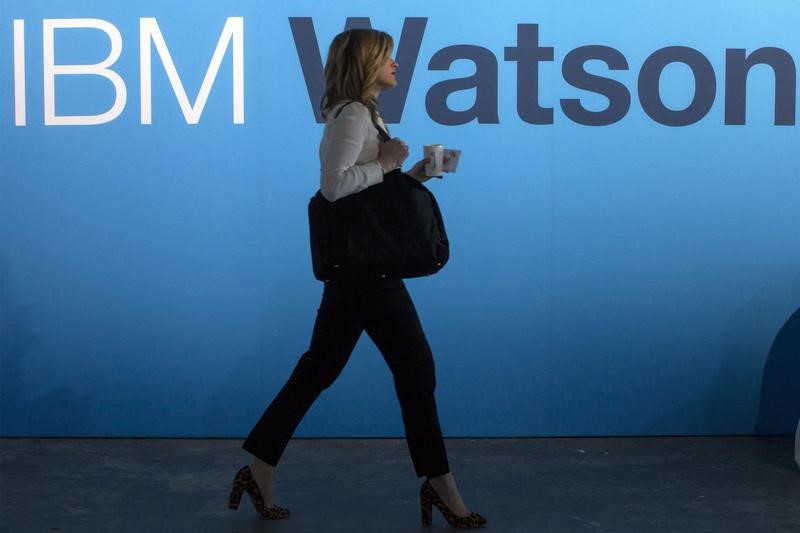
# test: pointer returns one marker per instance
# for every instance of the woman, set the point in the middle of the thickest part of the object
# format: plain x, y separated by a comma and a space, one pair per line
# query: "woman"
355, 153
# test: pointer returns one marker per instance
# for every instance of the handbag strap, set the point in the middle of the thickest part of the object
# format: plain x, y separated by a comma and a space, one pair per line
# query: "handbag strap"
342, 108
383, 134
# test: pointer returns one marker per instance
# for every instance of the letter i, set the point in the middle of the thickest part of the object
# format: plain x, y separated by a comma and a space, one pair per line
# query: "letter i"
19, 72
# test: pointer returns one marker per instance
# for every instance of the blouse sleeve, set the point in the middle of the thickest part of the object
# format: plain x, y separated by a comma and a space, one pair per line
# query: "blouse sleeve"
340, 174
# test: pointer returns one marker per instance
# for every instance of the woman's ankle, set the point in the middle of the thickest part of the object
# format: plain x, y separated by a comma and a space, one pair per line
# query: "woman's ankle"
443, 478
263, 468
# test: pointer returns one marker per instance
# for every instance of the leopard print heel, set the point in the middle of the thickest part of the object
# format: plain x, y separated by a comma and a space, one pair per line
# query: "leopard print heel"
428, 498
244, 482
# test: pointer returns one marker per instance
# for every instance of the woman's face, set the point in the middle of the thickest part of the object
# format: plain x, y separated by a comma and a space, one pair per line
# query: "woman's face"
387, 77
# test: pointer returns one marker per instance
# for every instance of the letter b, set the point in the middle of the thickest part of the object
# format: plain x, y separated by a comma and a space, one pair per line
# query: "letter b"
51, 70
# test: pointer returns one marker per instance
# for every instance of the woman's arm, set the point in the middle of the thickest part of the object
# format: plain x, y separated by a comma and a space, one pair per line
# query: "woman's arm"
346, 138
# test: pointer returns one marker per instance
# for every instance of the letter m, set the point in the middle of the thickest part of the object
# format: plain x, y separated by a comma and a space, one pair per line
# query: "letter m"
232, 34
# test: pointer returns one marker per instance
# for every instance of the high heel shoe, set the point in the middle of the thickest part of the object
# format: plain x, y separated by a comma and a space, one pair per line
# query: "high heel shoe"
429, 497
244, 481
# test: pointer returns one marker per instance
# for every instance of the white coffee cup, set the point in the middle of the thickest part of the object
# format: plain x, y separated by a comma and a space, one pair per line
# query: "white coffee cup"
435, 155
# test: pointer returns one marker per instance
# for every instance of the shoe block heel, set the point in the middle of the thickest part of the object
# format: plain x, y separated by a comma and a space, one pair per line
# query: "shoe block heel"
426, 514
236, 497
426, 510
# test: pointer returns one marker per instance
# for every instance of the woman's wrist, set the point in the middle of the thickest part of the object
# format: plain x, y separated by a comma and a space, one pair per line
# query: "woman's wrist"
384, 166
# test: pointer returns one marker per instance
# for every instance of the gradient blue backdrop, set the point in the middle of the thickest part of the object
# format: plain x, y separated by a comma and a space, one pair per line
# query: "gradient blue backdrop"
621, 280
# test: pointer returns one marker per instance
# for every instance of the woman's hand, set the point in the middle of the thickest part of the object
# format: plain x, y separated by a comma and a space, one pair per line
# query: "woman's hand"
392, 153
418, 171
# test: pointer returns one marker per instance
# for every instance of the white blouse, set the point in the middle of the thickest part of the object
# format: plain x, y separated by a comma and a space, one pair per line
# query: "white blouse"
348, 152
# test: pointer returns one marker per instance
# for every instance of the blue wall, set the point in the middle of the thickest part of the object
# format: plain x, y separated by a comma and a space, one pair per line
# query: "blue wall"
625, 279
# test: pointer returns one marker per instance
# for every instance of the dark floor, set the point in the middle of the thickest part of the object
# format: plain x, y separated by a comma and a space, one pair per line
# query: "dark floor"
730, 484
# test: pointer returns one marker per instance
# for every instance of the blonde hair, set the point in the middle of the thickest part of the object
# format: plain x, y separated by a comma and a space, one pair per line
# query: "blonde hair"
351, 70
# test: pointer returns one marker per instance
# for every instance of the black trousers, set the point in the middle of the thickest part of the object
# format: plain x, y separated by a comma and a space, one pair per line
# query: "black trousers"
385, 311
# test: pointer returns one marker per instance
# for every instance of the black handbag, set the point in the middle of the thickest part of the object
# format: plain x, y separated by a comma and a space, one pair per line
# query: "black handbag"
390, 230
